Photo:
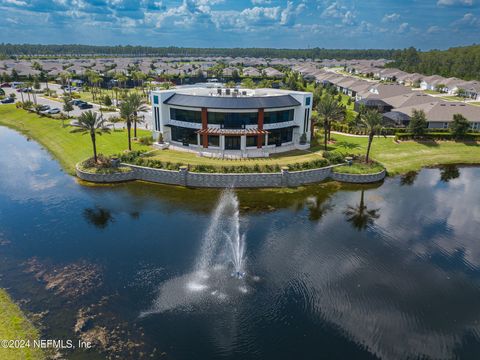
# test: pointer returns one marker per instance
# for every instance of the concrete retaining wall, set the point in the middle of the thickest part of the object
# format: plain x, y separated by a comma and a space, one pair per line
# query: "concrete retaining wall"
253, 180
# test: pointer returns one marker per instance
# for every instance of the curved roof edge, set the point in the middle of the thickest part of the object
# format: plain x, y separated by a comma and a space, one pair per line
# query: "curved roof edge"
219, 102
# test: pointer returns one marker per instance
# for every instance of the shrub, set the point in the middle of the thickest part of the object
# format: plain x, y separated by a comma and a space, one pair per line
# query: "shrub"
146, 140
333, 157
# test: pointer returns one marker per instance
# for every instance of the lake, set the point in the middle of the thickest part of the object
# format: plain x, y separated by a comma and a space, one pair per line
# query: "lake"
386, 271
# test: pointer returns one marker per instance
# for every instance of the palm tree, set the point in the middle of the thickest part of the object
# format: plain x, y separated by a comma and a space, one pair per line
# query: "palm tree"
329, 110
359, 215
138, 105
372, 120
89, 122
126, 112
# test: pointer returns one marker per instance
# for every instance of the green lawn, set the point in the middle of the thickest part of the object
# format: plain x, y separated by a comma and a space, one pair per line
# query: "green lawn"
432, 92
186, 158
15, 326
452, 98
68, 148
410, 155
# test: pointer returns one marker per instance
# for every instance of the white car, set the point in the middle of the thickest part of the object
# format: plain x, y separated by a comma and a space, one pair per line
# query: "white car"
53, 111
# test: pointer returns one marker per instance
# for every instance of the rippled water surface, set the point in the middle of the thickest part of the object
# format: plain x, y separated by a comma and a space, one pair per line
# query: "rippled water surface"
332, 272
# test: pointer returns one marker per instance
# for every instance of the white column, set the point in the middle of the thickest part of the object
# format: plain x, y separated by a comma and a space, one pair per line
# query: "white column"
243, 142
266, 139
198, 139
222, 142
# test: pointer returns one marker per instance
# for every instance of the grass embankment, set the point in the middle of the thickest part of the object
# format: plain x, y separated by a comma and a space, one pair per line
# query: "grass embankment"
15, 326
359, 168
68, 148
407, 156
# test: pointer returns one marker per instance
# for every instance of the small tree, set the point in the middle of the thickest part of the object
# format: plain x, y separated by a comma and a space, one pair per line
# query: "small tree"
328, 110
459, 126
107, 100
418, 123
90, 123
67, 106
462, 93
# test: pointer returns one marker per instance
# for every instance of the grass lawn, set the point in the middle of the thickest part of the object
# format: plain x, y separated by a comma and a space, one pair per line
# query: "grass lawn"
186, 158
15, 326
359, 168
452, 98
432, 92
68, 148
406, 156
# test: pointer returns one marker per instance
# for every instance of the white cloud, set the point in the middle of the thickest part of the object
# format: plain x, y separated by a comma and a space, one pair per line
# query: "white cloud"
261, 2
390, 17
403, 28
468, 20
454, 2
338, 11
433, 29
16, 2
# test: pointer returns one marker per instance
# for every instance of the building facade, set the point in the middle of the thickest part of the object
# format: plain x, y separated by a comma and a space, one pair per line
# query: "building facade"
237, 122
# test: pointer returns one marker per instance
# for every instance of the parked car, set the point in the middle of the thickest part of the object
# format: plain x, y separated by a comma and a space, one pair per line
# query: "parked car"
44, 108
53, 111
5, 85
85, 106
8, 100
77, 102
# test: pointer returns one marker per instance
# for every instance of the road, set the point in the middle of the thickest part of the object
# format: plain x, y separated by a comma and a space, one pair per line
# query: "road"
76, 112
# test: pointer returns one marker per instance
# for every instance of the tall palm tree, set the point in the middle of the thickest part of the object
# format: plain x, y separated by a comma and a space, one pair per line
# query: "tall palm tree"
126, 113
90, 123
372, 120
329, 110
138, 105
359, 215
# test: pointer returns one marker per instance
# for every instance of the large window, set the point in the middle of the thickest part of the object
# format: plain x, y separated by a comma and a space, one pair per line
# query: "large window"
186, 115
252, 141
280, 136
272, 117
213, 140
232, 120
184, 135
232, 142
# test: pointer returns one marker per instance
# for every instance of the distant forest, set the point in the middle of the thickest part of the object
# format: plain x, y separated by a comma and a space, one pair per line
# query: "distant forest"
460, 62
84, 50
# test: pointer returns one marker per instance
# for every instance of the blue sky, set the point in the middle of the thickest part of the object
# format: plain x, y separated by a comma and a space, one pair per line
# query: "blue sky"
424, 24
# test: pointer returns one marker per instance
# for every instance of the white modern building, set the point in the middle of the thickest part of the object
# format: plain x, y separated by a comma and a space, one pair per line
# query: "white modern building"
232, 122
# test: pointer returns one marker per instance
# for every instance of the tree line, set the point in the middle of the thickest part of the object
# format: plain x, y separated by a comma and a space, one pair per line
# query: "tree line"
7, 49
460, 62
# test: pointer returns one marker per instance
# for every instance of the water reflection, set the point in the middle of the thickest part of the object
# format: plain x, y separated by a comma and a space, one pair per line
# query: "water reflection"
409, 178
98, 217
359, 215
449, 172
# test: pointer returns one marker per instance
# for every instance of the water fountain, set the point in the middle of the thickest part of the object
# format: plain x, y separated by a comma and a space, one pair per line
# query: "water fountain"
219, 274
223, 241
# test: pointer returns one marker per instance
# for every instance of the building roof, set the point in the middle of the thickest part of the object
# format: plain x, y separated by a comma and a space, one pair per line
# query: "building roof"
228, 102
396, 116
443, 111
410, 99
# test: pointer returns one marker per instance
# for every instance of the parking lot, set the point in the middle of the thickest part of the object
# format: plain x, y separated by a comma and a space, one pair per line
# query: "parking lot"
76, 112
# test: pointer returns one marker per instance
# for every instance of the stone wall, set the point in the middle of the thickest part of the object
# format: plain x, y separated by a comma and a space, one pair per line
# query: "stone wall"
253, 180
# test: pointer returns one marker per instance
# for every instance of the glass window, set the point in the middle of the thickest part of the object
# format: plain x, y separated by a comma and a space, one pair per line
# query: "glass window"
184, 135
307, 101
155, 99
186, 115
280, 136
252, 141
213, 140
232, 142
272, 117
232, 120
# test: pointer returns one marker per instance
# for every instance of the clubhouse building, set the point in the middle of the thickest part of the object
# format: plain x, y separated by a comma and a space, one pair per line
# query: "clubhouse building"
223, 122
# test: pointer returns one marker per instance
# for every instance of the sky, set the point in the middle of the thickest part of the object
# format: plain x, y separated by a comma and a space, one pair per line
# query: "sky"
353, 24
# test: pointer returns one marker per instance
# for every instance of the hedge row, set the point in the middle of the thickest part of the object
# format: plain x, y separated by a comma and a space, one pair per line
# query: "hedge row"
136, 158
437, 136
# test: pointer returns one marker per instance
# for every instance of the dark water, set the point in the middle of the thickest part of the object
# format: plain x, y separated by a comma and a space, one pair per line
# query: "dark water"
388, 271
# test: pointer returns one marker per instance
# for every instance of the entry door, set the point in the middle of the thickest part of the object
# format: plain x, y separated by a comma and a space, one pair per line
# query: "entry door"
232, 142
